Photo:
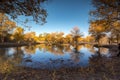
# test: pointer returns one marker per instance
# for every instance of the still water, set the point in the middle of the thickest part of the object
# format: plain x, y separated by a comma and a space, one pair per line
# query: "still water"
50, 57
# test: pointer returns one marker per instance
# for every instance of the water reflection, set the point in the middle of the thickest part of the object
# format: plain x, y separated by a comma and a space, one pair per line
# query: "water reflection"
50, 57
102, 51
76, 54
9, 58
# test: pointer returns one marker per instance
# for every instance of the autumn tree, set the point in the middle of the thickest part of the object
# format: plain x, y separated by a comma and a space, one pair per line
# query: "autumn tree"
29, 37
107, 12
75, 32
16, 8
6, 26
59, 37
97, 31
115, 32
68, 38
41, 37
30, 49
89, 39
48, 38
18, 34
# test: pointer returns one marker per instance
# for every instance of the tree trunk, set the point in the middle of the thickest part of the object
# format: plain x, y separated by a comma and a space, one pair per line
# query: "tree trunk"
117, 37
2, 39
98, 42
99, 54
109, 41
118, 50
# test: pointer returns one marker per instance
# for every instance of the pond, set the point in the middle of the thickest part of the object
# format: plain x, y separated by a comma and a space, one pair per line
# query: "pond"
50, 57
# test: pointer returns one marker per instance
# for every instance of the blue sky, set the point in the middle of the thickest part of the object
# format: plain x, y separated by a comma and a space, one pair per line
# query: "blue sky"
63, 15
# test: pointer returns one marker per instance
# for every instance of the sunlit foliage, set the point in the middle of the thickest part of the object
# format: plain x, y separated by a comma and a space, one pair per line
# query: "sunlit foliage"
18, 34
89, 39
75, 32
30, 49
29, 37
106, 13
68, 38
6, 26
97, 31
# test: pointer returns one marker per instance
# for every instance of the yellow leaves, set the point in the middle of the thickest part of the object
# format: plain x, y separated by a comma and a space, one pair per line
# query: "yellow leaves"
79, 47
30, 36
116, 24
10, 23
6, 67
99, 28
94, 26
80, 39
89, 39
19, 30
6, 25
11, 37
30, 49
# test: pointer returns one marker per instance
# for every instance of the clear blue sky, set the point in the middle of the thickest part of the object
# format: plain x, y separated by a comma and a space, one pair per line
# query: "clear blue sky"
63, 15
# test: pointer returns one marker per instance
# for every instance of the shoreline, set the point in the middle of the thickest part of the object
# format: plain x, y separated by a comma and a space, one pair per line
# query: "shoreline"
8, 44
100, 68
5, 45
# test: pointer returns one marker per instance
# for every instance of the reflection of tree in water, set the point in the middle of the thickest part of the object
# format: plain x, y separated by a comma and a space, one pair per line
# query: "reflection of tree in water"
8, 63
55, 49
103, 65
97, 60
30, 49
18, 55
61, 49
76, 54
90, 47
41, 46
3, 53
101, 51
97, 50
67, 48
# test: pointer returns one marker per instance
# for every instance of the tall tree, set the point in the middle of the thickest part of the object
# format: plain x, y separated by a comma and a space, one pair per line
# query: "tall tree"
18, 34
68, 38
97, 31
30, 36
75, 32
116, 31
106, 13
6, 26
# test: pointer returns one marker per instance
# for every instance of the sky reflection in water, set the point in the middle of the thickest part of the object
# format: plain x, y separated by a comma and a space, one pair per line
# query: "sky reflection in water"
51, 57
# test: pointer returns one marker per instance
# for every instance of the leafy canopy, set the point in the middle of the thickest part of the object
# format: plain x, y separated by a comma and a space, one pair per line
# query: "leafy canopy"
16, 8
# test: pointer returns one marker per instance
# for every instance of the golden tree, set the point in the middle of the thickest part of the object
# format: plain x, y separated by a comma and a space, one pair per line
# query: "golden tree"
106, 13
18, 34
6, 26
98, 31
75, 32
